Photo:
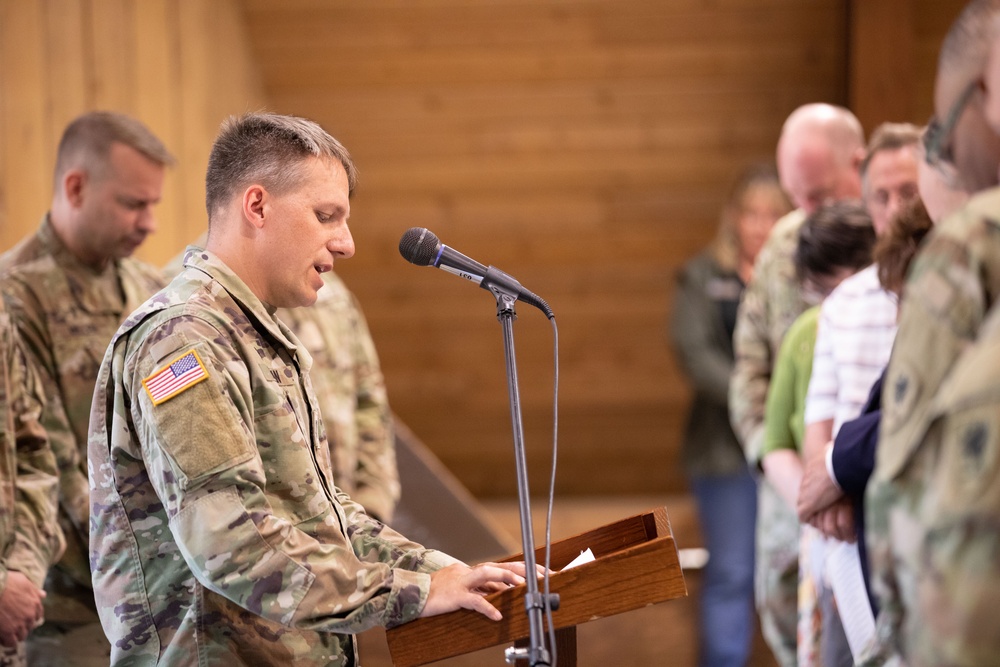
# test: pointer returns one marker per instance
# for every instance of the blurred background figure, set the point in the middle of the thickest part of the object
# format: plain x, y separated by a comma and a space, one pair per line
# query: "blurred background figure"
68, 286
709, 290
834, 243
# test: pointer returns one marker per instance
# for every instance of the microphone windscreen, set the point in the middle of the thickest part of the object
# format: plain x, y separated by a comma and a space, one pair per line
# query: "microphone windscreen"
419, 246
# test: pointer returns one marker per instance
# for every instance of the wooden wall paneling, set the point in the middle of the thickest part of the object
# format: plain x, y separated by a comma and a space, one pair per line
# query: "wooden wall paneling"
24, 178
218, 78
113, 38
236, 85
932, 19
194, 54
894, 46
881, 63
157, 103
179, 67
583, 147
67, 64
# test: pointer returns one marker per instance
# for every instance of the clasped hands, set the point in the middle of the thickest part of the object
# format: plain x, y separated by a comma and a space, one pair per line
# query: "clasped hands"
822, 504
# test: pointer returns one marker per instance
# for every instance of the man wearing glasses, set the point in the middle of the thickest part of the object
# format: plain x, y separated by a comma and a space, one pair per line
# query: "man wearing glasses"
934, 500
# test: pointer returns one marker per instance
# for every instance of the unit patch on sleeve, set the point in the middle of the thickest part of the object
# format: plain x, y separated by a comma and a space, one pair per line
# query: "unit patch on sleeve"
180, 374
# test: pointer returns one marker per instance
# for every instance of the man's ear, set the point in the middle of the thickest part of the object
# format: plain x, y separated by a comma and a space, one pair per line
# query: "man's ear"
74, 182
255, 204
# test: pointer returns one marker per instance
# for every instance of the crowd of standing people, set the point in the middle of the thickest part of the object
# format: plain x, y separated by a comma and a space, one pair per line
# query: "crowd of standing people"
864, 395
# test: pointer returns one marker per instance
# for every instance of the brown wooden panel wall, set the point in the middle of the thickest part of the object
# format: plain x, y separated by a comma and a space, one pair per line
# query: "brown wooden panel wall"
584, 146
179, 66
893, 55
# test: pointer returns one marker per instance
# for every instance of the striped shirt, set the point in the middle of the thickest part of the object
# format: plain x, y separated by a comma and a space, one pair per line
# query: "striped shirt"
856, 329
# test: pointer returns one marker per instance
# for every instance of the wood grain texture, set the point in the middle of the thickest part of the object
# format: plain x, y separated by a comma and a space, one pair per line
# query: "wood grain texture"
583, 147
181, 67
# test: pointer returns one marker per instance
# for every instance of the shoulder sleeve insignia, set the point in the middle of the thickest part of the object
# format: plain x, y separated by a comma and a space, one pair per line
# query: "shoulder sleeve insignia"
179, 375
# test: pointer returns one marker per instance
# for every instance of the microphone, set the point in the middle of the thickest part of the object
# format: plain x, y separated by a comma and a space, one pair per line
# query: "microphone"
422, 247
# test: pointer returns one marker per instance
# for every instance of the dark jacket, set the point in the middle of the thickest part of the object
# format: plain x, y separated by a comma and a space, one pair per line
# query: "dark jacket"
853, 462
701, 328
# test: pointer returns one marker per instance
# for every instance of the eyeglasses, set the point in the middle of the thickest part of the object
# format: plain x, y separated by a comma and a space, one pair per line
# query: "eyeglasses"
937, 152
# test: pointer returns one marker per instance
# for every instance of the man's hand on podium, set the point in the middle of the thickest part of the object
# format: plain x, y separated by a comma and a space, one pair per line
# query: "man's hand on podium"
459, 586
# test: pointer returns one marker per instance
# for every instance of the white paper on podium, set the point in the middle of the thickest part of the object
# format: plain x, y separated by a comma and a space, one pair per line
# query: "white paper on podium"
585, 557
843, 569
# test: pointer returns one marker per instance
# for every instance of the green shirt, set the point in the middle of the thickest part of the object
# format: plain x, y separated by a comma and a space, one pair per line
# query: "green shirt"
784, 414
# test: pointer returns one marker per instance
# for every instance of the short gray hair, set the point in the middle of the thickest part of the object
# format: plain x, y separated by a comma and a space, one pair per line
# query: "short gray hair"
86, 142
890, 137
267, 148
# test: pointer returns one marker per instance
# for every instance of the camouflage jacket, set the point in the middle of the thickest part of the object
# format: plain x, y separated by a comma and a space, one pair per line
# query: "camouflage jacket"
30, 538
352, 398
349, 386
66, 313
218, 536
954, 281
771, 303
932, 502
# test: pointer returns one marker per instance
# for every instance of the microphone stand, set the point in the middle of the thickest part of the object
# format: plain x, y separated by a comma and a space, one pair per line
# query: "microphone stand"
535, 653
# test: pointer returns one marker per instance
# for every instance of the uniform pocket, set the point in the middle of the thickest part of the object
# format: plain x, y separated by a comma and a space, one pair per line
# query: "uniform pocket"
294, 487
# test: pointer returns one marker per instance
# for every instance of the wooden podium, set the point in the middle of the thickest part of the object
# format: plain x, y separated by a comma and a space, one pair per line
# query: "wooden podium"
635, 566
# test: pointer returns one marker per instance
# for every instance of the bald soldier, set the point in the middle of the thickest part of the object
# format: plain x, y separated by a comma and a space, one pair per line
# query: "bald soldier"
819, 154
933, 503
30, 538
218, 535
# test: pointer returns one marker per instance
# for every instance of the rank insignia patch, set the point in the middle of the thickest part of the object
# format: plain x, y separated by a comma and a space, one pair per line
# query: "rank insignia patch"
180, 374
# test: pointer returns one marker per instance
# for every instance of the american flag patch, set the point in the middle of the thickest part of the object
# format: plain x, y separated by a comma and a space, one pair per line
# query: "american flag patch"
182, 373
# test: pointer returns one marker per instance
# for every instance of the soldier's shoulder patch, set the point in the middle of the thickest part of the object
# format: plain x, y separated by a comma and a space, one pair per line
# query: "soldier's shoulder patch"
176, 377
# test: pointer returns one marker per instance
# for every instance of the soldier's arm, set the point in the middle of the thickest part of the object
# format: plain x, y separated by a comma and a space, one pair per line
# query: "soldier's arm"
752, 370
30, 323
38, 538
376, 477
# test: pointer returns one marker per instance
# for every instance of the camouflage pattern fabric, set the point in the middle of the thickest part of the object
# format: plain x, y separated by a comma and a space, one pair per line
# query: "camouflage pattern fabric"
66, 313
771, 303
933, 504
349, 386
30, 538
218, 536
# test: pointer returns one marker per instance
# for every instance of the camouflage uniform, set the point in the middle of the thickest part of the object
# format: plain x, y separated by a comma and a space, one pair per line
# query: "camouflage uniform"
352, 398
218, 536
349, 386
771, 303
933, 504
30, 538
66, 313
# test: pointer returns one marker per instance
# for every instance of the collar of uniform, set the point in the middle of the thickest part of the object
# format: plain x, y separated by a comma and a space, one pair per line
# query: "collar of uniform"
95, 290
210, 263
